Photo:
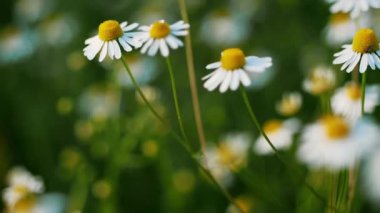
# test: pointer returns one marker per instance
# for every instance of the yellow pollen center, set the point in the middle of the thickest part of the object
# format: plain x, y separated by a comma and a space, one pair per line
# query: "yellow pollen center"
159, 29
25, 204
339, 18
335, 127
272, 126
110, 30
365, 41
353, 91
21, 189
232, 59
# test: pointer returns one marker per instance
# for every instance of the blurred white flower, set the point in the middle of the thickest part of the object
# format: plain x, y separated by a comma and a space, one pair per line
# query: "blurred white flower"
51, 203
32, 10
111, 35
280, 133
16, 44
347, 100
364, 51
321, 80
354, 7
232, 69
371, 177
290, 104
340, 29
334, 144
160, 36
58, 29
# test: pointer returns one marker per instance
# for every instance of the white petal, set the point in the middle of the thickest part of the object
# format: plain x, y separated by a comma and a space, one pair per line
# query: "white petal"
343, 58
110, 50
146, 46
103, 53
377, 60
226, 82
116, 49
154, 48
172, 43
363, 63
124, 44
130, 27
371, 61
354, 63
164, 48
234, 85
213, 65
244, 78
180, 33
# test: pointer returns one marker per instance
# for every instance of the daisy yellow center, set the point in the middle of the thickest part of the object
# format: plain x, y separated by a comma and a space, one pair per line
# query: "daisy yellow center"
226, 155
110, 30
335, 127
272, 126
232, 59
25, 204
21, 189
365, 41
339, 18
353, 91
159, 29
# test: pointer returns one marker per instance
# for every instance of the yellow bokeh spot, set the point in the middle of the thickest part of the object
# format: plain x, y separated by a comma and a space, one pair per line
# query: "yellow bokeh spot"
102, 189
272, 126
339, 18
245, 204
232, 59
24, 205
150, 148
335, 127
365, 41
159, 29
110, 30
184, 181
353, 91
65, 105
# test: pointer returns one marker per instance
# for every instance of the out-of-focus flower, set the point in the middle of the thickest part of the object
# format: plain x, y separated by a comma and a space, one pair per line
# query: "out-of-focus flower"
111, 35
347, 100
31, 10
280, 133
232, 70
22, 189
159, 36
70, 158
183, 181
321, 80
75, 61
230, 154
150, 148
16, 44
102, 189
290, 104
99, 102
64, 105
340, 29
58, 29
364, 51
260, 79
371, 176
222, 28
84, 129
245, 203
152, 94
51, 203
334, 144
354, 7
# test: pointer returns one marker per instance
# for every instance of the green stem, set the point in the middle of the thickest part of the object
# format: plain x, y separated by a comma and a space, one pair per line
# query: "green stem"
256, 122
364, 78
180, 140
175, 98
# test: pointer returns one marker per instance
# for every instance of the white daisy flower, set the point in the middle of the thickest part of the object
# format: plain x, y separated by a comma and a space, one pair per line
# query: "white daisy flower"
111, 36
364, 51
371, 177
21, 185
232, 70
347, 101
354, 7
280, 133
334, 144
340, 29
160, 36
321, 80
290, 104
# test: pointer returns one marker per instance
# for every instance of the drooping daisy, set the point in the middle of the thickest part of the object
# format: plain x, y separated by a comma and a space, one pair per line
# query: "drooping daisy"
364, 52
334, 144
280, 133
321, 80
160, 36
111, 35
354, 7
232, 70
347, 100
290, 104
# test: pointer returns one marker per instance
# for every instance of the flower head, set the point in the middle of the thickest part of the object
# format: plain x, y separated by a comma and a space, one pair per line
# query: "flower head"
160, 36
347, 100
364, 51
354, 7
111, 35
321, 80
340, 29
232, 70
290, 104
280, 134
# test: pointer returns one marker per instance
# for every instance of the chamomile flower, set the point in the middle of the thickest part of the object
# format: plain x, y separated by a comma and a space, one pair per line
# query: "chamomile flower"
232, 70
340, 29
321, 80
290, 104
280, 133
354, 7
334, 143
347, 100
160, 36
364, 51
111, 35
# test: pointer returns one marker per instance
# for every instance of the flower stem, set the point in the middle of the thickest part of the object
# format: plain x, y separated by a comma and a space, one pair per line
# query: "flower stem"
192, 81
180, 140
175, 98
364, 78
258, 126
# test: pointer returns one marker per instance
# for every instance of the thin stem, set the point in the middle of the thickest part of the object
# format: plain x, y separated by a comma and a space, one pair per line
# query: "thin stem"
175, 98
256, 122
192, 81
364, 78
180, 140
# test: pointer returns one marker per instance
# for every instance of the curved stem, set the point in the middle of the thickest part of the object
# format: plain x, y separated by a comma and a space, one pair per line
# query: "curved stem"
175, 98
192, 81
180, 140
